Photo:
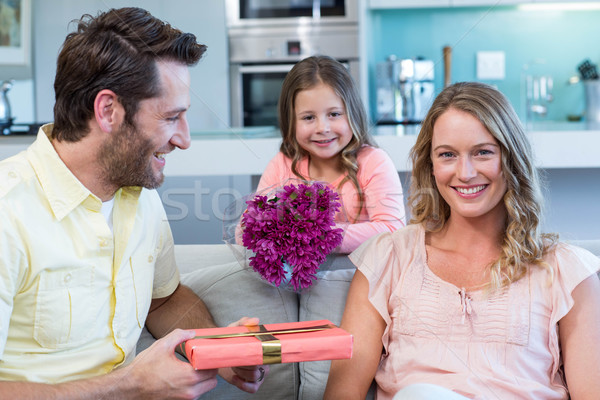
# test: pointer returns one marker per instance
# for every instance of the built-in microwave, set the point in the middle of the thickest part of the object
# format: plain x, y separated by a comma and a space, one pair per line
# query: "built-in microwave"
245, 13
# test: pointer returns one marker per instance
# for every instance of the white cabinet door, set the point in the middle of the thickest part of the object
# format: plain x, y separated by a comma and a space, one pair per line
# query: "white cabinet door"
563, 1
382, 4
464, 3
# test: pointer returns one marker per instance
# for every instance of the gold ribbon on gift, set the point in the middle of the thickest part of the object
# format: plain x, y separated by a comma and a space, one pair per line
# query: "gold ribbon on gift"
271, 346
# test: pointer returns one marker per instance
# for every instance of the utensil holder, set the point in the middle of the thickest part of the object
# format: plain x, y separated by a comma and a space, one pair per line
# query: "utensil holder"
592, 101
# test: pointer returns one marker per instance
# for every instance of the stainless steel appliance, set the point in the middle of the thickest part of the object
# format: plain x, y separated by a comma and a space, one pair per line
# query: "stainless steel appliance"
405, 90
260, 56
5, 113
248, 13
592, 103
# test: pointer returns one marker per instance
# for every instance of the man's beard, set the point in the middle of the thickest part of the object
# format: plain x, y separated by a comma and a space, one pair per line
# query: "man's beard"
126, 159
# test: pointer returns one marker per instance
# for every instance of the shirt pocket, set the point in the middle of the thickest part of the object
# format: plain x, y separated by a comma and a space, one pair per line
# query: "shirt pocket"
66, 307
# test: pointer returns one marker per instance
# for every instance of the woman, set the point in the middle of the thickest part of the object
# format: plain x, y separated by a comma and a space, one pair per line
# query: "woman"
467, 301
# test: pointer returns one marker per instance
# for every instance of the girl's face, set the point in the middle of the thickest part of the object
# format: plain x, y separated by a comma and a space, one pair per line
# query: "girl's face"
322, 127
467, 165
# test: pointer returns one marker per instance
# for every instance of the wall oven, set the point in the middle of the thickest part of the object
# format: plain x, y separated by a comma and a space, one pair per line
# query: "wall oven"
260, 58
245, 13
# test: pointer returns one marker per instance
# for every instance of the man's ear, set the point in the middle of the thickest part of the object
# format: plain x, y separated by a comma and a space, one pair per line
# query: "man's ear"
108, 110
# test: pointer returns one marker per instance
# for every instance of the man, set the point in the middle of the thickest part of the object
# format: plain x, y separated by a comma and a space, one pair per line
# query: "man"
86, 254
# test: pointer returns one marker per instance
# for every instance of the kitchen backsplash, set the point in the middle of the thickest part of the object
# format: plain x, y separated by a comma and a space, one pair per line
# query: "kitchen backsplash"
554, 42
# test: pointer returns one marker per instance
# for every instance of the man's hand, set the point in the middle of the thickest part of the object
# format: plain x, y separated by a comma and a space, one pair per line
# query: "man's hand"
249, 378
160, 375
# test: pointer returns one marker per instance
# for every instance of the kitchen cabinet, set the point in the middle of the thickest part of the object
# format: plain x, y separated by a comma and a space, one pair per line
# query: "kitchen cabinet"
399, 4
465, 3
383, 4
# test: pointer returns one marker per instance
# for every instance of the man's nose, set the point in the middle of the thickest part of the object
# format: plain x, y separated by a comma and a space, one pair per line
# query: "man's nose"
181, 138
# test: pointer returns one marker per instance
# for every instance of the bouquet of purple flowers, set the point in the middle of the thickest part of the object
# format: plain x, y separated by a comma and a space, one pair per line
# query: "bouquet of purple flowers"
293, 229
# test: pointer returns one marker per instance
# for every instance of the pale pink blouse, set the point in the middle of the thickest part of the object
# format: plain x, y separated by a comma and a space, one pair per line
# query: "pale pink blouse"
499, 346
383, 207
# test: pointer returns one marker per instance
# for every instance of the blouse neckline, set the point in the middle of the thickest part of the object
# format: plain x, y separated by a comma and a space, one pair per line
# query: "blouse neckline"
429, 271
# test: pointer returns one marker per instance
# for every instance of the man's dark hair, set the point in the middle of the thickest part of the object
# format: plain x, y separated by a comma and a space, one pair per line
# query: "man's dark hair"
117, 50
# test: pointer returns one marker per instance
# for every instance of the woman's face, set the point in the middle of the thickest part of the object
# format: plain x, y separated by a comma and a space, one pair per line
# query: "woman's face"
467, 165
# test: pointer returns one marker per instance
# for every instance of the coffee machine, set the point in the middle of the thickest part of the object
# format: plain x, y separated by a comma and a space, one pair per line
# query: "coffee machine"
405, 90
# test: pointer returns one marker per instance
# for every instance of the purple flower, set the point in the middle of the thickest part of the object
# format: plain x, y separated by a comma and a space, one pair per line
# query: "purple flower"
295, 226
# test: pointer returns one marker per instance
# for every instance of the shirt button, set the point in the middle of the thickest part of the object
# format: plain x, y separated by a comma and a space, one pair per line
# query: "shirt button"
67, 278
12, 174
150, 259
103, 243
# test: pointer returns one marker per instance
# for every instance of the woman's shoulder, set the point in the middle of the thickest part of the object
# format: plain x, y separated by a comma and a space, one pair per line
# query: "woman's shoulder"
571, 252
572, 263
390, 252
409, 238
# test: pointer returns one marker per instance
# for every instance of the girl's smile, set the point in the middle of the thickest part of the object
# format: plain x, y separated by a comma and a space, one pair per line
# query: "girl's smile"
322, 127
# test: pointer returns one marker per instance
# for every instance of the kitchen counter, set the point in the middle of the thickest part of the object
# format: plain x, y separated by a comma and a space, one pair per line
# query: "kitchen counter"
247, 151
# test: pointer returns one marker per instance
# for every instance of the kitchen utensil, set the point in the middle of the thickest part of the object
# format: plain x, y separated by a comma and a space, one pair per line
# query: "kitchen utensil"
447, 66
539, 89
405, 90
592, 102
588, 70
5, 115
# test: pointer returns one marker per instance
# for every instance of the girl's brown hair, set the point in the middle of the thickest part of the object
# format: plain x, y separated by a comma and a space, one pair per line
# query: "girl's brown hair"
306, 74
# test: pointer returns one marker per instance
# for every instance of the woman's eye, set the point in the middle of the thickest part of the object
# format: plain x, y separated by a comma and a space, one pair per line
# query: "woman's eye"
485, 152
307, 117
335, 114
446, 154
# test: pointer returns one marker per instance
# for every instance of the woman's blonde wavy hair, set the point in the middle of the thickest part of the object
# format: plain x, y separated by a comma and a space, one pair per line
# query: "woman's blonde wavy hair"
307, 74
523, 244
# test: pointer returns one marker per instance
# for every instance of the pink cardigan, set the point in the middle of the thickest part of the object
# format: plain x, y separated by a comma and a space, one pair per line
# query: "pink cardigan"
383, 208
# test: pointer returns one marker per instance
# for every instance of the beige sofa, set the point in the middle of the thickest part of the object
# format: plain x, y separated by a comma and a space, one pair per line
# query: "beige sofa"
231, 291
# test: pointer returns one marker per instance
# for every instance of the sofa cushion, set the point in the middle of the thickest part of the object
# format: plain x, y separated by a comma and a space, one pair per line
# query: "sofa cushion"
231, 291
325, 299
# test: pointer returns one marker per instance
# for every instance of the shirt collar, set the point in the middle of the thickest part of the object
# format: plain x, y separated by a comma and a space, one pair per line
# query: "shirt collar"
63, 190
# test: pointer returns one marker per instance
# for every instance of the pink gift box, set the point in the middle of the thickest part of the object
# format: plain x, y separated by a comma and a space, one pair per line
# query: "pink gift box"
267, 344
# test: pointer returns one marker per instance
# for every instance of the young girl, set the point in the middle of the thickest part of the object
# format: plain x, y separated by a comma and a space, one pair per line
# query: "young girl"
467, 301
325, 138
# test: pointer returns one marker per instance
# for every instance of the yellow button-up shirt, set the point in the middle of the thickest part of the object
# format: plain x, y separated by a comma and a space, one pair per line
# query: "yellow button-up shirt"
73, 297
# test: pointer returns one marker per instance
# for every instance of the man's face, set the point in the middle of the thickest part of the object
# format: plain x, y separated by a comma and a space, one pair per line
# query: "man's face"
135, 154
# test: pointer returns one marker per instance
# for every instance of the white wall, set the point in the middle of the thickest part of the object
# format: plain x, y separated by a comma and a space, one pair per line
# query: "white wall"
206, 19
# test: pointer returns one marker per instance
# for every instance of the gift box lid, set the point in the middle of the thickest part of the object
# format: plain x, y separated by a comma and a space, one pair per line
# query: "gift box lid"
267, 344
